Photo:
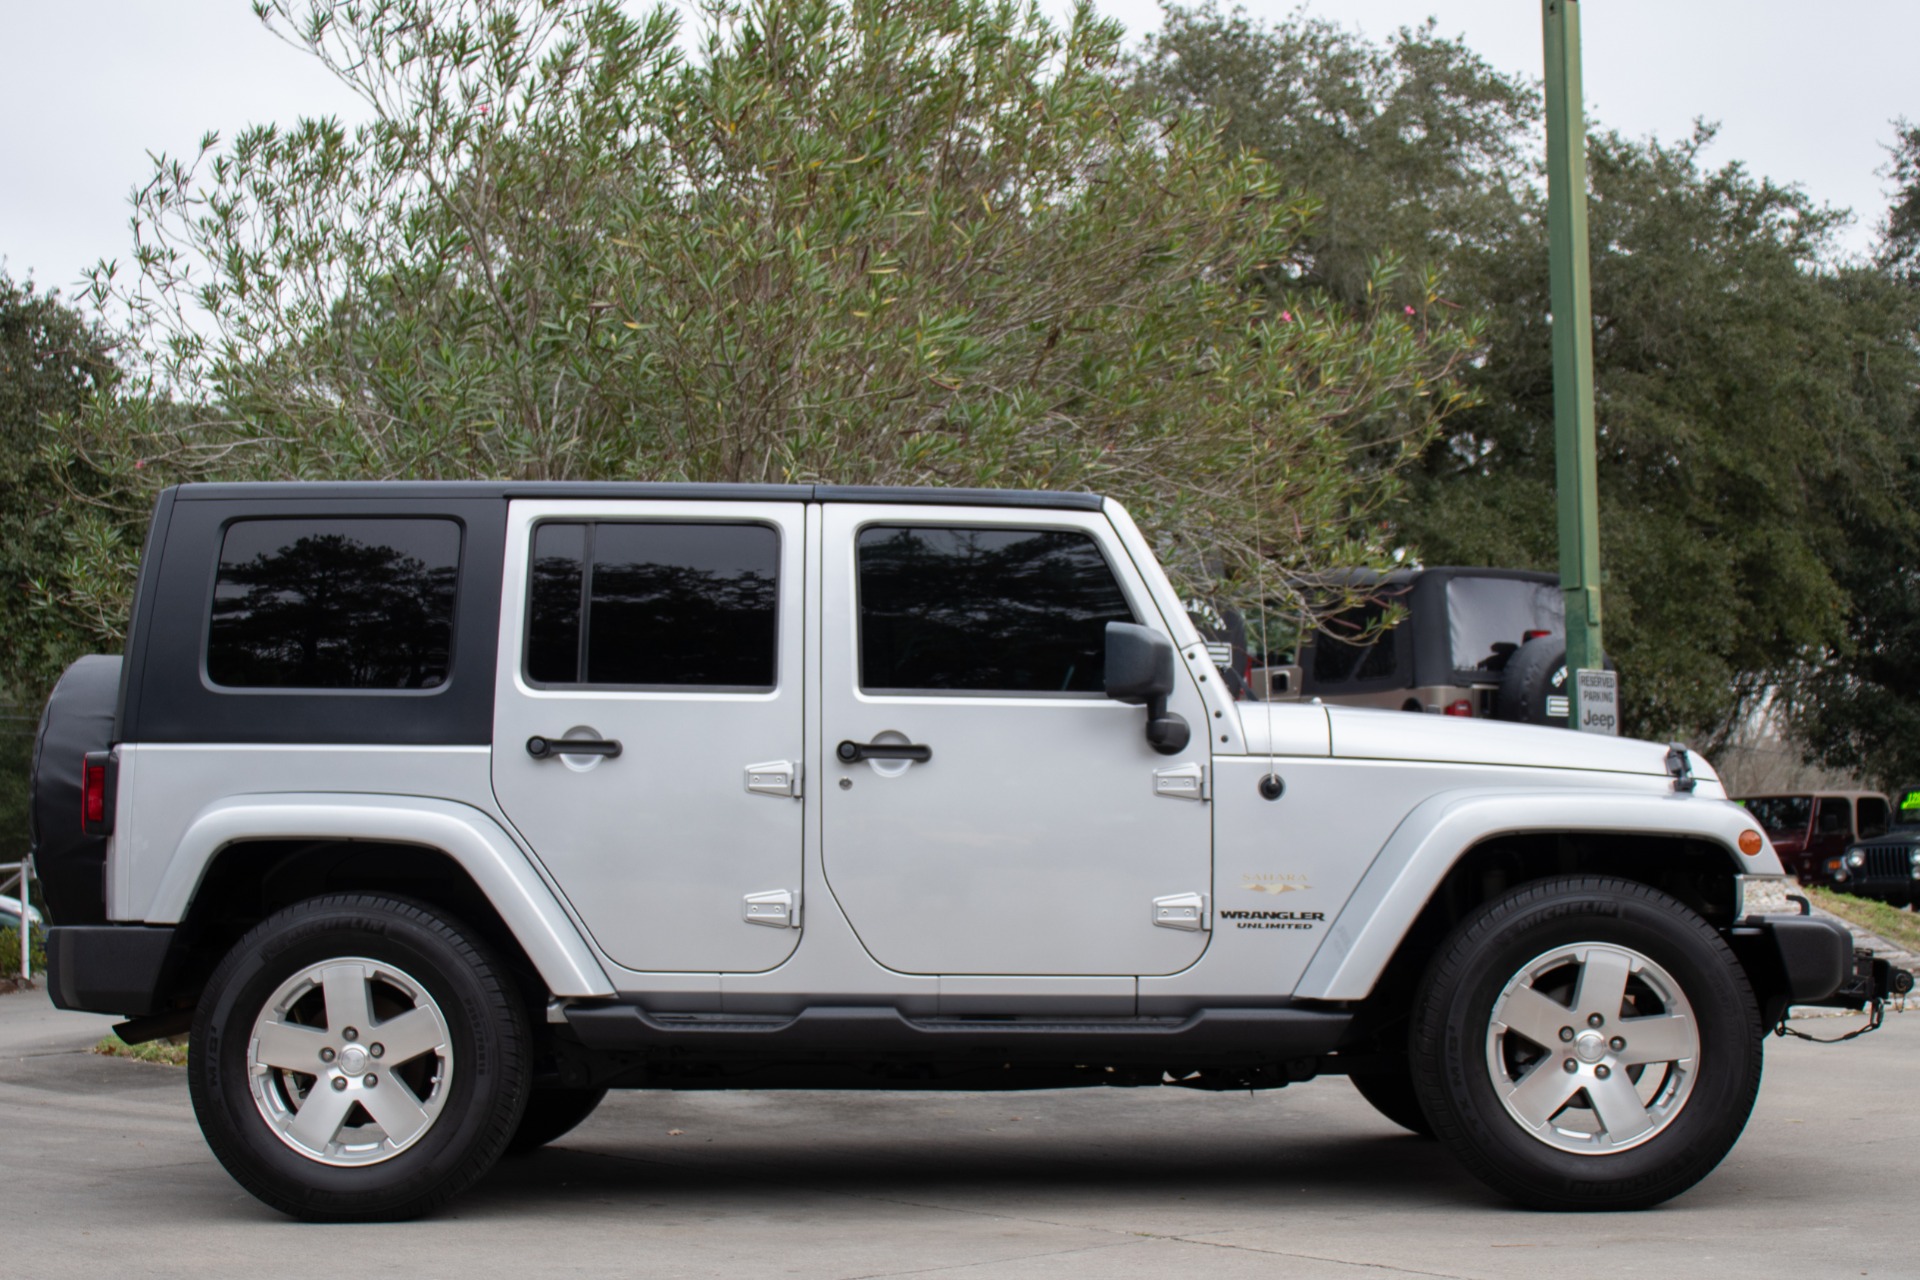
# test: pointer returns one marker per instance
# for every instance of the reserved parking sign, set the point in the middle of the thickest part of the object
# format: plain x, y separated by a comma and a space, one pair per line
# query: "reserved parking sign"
1596, 706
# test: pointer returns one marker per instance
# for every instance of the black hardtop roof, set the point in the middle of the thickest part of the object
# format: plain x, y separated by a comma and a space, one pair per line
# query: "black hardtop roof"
1406, 576
429, 490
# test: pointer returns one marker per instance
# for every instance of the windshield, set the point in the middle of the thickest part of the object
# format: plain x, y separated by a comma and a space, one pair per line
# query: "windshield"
1906, 812
1485, 612
1787, 814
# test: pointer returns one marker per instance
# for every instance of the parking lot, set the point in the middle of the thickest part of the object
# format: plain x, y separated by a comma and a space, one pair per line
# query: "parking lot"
106, 1170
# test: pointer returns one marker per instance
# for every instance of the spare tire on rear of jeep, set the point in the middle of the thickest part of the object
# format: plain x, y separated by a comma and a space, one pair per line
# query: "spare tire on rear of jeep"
69, 863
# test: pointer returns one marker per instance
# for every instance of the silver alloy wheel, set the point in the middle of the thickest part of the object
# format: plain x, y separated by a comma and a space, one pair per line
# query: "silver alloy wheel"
1593, 1048
350, 1061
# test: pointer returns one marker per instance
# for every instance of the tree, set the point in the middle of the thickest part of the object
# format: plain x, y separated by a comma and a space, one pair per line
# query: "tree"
54, 363
1750, 394
1900, 234
1857, 705
888, 241
1414, 150
1749, 401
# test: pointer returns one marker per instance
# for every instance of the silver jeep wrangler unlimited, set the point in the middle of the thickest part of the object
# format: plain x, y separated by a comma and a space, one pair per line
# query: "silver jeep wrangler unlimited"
437, 810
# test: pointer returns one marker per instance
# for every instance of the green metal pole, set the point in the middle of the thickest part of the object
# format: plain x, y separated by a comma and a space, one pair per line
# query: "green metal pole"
1572, 338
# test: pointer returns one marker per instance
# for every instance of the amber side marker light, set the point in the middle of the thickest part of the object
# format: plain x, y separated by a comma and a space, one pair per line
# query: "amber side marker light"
1750, 843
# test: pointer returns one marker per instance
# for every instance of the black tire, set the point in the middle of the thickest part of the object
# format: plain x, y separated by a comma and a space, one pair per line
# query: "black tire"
469, 1084
1391, 1093
550, 1114
1536, 671
1558, 931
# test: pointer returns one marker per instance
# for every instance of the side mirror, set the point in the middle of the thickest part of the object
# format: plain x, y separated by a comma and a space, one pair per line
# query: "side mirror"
1140, 671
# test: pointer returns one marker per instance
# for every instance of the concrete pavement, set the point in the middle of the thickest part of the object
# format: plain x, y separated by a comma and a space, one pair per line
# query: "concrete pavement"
106, 1170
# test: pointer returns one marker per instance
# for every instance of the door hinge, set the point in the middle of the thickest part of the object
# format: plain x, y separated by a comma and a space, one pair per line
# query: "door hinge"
1182, 782
774, 778
1186, 911
776, 908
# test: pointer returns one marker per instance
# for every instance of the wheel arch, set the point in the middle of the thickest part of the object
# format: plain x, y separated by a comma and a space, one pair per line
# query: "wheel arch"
244, 858
1458, 850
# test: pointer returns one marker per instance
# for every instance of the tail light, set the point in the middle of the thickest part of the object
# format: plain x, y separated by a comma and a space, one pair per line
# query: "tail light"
1459, 707
96, 793
1533, 635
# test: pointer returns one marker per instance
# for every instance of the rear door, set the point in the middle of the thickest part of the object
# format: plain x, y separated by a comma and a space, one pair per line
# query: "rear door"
665, 640
1040, 829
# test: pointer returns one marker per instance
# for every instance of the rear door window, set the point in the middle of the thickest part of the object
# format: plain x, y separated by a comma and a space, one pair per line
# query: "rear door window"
653, 606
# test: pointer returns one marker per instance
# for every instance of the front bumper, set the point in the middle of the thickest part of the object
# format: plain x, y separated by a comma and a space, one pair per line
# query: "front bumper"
111, 968
1795, 959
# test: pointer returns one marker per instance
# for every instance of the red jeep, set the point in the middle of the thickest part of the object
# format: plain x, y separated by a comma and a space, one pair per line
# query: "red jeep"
1809, 827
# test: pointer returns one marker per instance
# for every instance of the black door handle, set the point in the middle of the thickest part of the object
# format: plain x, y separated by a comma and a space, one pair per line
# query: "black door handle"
851, 752
540, 748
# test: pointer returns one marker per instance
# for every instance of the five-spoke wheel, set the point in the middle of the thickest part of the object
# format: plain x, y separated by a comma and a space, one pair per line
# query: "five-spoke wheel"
1586, 1043
349, 1061
358, 1058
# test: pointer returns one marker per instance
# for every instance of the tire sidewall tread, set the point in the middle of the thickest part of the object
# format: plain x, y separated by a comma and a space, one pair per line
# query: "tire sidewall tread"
486, 1095
1448, 1043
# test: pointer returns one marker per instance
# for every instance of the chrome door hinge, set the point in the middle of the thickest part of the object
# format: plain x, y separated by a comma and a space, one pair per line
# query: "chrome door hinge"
1182, 782
776, 908
774, 778
1186, 911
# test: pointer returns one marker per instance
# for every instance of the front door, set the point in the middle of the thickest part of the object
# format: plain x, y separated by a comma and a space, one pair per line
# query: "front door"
1040, 828
663, 641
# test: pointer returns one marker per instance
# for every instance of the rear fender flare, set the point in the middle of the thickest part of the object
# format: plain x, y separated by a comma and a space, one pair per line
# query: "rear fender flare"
504, 874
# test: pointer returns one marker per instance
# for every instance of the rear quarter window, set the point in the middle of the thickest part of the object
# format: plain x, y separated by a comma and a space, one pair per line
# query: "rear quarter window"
334, 604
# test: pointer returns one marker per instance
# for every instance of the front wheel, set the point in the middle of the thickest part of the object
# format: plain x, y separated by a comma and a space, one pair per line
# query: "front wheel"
1587, 1043
358, 1059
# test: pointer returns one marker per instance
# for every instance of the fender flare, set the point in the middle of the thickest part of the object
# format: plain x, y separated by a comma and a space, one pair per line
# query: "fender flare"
1439, 831
466, 834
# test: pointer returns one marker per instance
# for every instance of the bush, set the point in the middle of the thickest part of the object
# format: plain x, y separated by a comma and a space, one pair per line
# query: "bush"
10, 953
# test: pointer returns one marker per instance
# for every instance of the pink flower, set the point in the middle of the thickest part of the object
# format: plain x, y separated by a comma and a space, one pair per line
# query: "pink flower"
140, 464
1286, 317
1409, 310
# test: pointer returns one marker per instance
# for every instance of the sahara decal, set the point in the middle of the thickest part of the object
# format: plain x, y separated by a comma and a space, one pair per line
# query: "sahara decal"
1283, 883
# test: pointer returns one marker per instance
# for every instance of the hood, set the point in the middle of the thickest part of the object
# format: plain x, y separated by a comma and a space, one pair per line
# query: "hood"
1365, 734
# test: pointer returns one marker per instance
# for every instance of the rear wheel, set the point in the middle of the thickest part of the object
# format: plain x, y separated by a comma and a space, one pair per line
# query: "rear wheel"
357, 1059
1587, 1043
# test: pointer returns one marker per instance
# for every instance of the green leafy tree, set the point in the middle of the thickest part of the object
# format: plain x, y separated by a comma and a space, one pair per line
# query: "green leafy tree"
1415, 150
1752, 398
54, 364
1857, 706
886, 241
1749, 401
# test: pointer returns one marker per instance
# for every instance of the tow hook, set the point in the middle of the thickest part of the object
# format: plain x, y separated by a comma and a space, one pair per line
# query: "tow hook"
1872, 982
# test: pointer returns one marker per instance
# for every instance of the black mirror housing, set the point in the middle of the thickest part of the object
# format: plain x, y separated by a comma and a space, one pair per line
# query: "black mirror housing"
1139, 663
1140, 671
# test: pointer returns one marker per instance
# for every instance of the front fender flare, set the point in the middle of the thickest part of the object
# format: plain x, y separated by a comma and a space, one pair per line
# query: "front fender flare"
1434, 836
465, 834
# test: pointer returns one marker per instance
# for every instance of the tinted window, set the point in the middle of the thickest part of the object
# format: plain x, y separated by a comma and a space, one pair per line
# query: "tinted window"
1781, 814
1907, 810
1873, 818
334, 604
652, 605
1339, 654
985, 610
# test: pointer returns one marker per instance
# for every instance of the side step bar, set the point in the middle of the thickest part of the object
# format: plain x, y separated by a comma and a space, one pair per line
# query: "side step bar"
861, 1032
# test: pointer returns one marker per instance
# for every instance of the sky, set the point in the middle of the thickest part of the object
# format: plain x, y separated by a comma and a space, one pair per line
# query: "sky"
1804, 94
